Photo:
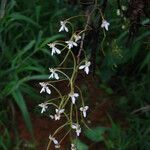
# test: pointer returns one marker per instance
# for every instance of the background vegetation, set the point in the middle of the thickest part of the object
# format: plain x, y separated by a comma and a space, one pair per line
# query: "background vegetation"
124, 72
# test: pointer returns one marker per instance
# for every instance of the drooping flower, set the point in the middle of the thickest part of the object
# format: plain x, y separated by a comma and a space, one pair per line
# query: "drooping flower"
105, 24
54, 49
45, 88
73, 146
43, 106
86, 66
58, 113
71, 44
53, 74
84, 109
77, 128
73, 96
63, 26
57, 145
76, 37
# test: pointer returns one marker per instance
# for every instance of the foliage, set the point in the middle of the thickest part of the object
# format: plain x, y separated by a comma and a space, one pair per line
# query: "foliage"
23, 55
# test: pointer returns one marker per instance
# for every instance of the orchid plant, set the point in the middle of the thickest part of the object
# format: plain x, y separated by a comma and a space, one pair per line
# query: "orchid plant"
73, 97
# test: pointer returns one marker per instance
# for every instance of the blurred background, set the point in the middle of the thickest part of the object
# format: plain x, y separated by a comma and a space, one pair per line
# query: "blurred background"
118, 86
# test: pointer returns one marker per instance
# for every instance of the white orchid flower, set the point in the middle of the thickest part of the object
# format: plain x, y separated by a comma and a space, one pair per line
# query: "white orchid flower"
58, 113
54, 141
45, 88
73, 97
53, 74
43, 106
57, 146
63, 26
86, 67
71, 44
105, 24
77, 128
54, 49
73, 146
76, 37
84, 109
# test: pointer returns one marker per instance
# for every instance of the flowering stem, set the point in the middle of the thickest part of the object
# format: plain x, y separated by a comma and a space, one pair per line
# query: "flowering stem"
56, 90
65, 136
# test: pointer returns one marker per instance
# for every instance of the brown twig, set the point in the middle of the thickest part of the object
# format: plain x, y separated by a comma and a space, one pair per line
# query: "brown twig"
83, 35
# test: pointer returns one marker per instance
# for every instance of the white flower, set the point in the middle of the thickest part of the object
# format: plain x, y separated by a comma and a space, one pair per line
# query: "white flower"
45, 88
43, 106
124, 7
57, 145
77, 128
86, 67
54, 49
73, 146
51, 116
63, 26
84, 109
71, 44
118, 12
105, 24
76, 37
54, 141
53, 74
73, 96
123, 26
58, 113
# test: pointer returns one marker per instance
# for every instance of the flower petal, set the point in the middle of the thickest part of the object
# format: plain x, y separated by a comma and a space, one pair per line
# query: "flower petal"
56, 76
42, 90
82, 67
48, 90
86, 70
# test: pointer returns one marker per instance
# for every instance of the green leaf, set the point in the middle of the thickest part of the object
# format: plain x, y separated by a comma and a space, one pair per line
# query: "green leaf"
17, 16
146, 61
22, 52
81, 145
22, 105
51, 39
95, 134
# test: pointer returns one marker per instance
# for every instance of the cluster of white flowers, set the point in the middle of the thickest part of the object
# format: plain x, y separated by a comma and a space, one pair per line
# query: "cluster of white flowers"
55, 74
